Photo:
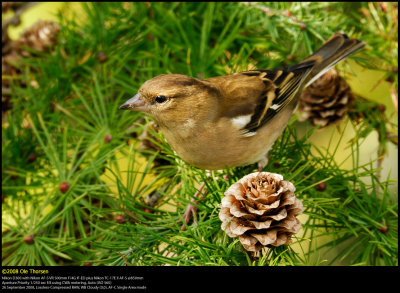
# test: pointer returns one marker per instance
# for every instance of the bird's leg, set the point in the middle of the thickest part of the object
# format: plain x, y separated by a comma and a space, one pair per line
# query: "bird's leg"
263, 162
191, 209
261, 165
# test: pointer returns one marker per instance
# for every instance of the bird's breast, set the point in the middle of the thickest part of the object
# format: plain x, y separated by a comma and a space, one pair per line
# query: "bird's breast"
219, 145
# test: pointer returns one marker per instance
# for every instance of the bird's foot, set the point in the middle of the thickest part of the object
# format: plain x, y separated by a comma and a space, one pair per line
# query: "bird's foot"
192, 209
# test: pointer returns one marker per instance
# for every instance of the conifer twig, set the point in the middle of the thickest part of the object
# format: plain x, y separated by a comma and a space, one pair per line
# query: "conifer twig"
127, 263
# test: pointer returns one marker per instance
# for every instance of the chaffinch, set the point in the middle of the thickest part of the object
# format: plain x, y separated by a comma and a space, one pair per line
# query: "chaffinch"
232, 120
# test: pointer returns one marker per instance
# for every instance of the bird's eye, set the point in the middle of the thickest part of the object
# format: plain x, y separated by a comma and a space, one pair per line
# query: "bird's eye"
161, 99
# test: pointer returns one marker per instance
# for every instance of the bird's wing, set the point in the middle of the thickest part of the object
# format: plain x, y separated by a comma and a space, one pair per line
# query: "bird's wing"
253, 98
282, 87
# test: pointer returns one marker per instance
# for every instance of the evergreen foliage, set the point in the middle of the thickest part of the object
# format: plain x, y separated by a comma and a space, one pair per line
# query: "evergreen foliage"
77, 133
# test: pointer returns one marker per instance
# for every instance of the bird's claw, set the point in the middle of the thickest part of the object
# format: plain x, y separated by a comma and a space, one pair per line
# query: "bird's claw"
191, 209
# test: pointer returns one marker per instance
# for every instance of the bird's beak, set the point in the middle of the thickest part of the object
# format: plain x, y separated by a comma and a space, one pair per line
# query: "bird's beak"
136, 103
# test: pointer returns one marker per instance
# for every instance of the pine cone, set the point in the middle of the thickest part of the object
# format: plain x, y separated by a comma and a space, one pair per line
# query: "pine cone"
40, 36
261, 210
326, 100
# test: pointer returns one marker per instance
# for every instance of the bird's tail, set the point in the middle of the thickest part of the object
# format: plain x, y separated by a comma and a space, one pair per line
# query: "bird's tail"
338, 47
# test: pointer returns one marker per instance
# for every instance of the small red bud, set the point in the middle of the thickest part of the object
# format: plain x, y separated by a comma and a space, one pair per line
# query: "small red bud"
150, 37
64, 186
120, 218
303, 26
147, 210
390, 79
102, 57
87, 264
32, 157
225, 176
29, 239
107, 138
321, 186
383, 229
382, 108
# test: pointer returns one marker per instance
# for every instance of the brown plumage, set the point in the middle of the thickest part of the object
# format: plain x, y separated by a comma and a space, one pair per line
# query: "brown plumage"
232, 120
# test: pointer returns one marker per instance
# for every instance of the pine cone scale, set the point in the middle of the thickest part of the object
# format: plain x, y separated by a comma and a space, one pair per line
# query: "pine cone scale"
261, 225
266, 238
239, 227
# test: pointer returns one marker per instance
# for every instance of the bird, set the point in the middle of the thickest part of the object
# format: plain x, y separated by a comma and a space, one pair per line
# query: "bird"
233, 120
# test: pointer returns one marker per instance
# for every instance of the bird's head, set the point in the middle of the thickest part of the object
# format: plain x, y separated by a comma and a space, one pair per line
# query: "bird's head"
172, 99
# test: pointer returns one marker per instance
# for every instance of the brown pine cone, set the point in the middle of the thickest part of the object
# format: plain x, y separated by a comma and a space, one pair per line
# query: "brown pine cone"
326, 100
40, 37
261, 210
